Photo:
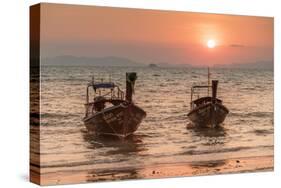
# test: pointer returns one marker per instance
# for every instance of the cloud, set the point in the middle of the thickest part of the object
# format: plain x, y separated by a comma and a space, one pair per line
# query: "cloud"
236, 45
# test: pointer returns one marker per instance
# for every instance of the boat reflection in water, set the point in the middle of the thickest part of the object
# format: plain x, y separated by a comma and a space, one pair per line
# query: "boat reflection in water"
214, 138
120, 159
217, 135
208, 133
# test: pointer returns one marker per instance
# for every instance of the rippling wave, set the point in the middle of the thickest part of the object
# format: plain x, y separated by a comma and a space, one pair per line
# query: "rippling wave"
165, 135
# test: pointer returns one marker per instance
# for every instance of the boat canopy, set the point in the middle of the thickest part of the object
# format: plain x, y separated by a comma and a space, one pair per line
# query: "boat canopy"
106, 85
194, 87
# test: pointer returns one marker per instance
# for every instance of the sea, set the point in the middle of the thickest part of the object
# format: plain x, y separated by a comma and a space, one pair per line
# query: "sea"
165, 136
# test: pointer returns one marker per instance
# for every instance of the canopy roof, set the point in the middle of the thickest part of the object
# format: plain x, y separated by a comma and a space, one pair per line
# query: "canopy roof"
106, 85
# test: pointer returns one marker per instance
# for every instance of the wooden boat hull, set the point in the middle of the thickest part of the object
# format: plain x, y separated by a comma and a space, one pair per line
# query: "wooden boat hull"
208, 115
120, 120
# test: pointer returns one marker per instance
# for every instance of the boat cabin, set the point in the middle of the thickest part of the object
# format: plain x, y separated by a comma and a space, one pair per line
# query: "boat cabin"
204, 100
196, 91
105, 94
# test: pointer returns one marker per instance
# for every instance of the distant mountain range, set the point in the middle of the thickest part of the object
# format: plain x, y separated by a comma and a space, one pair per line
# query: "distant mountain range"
69, 60
95, 61
175, 65
253, 65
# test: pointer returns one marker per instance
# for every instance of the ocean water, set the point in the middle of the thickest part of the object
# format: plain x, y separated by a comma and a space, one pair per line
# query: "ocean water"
165, 136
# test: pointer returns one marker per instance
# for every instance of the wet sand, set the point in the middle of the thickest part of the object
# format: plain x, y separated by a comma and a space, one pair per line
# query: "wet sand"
249, 164
238, 165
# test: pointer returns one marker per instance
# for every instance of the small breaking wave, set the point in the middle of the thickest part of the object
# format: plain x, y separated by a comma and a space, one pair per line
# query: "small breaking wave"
251, 114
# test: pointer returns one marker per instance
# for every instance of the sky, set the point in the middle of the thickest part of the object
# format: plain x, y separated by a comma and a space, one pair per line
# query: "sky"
153, 36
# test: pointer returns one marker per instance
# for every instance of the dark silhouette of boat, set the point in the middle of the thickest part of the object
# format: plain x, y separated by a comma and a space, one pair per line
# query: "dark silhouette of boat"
207, 111
110, 113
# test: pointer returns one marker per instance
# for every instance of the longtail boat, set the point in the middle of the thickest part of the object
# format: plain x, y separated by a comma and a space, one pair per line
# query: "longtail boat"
112, 112
207, 111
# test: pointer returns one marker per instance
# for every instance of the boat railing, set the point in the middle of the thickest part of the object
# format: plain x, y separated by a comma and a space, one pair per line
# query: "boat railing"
194, 91
114, 94
119, 94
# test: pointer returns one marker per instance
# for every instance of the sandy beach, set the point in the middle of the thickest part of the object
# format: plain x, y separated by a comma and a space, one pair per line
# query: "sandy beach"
238, 165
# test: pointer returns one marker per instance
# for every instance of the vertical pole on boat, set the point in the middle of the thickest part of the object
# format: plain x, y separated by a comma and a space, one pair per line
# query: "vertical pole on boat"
131, 77
214, 98
209, 81
214, 90
191, 95
87, 101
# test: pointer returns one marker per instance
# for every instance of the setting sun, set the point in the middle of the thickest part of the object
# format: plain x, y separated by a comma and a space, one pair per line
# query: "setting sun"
211, 43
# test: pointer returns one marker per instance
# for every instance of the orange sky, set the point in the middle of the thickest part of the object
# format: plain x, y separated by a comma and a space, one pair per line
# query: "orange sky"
154, 36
